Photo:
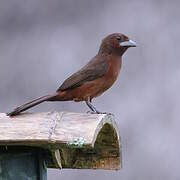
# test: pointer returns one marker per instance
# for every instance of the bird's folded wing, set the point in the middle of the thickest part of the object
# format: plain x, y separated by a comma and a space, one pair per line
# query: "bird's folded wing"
95, 69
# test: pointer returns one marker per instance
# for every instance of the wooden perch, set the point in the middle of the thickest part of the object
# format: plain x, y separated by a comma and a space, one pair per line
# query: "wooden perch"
67, 140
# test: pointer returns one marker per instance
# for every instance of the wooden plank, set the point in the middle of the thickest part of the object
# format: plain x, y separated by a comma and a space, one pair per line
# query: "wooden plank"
75, 140
55, 127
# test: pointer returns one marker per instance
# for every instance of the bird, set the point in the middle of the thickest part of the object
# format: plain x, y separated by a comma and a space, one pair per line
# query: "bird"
93, 79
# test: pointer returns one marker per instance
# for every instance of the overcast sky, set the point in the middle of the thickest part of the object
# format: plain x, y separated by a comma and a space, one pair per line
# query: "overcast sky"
42, 42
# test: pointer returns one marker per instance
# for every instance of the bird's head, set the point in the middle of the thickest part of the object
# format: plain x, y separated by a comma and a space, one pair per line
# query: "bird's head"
116, 43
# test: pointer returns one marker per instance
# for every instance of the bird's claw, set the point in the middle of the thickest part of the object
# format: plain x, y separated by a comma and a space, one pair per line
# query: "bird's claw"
98, 112
89, 112
107, 113
92, 112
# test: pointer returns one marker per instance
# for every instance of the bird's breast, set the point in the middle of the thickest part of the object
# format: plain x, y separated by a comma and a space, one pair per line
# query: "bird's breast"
114, 66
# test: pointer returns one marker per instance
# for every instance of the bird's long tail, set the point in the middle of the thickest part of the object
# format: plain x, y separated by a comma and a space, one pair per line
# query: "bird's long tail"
30, 104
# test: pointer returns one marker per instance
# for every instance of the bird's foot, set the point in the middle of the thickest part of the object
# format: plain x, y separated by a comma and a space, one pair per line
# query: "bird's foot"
94, 112
98, 112
109, 114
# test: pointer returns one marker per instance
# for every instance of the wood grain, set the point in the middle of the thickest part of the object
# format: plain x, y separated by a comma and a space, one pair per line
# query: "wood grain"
74, 140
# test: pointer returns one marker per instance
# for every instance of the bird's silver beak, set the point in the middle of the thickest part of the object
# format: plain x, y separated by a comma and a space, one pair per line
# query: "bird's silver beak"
129, 43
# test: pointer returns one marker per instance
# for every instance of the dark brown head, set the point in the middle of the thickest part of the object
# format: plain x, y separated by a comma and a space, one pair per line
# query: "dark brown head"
116, 44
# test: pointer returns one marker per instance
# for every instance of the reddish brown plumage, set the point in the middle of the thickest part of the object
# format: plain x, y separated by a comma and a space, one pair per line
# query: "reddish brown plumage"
94, 88
93, 79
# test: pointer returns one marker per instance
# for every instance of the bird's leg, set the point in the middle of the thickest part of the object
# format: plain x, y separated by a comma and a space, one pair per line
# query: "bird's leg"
94, 110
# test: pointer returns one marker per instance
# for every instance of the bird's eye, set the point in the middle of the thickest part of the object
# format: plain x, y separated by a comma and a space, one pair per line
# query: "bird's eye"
118, 38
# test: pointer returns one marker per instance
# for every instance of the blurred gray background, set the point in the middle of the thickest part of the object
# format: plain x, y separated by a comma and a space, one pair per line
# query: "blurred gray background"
42, 42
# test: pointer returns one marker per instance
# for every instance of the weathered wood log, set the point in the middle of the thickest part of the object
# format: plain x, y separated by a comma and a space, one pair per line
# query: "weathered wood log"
69, 140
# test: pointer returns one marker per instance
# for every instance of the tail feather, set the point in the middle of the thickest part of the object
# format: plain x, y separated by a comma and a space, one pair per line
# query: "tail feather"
30, 104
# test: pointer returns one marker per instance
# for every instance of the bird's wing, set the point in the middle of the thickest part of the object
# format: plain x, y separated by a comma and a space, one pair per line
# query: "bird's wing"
96, 68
